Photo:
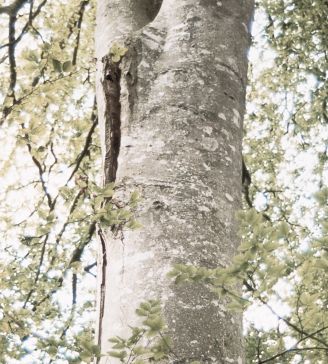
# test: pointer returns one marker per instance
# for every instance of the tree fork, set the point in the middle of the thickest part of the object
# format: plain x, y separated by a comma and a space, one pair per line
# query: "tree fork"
179, 98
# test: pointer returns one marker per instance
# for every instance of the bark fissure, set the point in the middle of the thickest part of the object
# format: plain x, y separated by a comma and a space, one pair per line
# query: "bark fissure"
123, 252
102, 285
123, 271
112, 91
236, 74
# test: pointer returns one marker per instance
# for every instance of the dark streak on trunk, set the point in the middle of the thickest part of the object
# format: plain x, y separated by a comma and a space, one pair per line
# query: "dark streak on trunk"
102, 286
112, 90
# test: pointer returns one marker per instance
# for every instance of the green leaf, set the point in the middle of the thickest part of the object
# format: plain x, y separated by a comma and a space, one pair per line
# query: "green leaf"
39, 131
246, 245
113, 340
322, 197
239, 215
283, 230
31, 67
159, 355
108, 207
145, 306
8, 101
251, 216
117, 52
172, 273
95, 349
151, 333
322, 264
140, 312
33, 55
155, 310
308, 299
134, 199
154, 302
119, 346
139, 361
52, 350
124, 214
270, 247
116, 58
234, 306
239, 259
46, 46
119, 355
191, 270
181, 268
86, 355
57, 65
109, 187
108, 193
181, 278
202, 271
51, 216
67, 66
133, 225
140, 350
156, 324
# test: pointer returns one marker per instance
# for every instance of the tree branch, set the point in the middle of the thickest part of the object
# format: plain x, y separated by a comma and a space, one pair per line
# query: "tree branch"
14, 8
11, 52
295, 327
25, 28
89, 267
77, 253
81, 12
74, 287
290, 350
37, 163
88, 141
38, 271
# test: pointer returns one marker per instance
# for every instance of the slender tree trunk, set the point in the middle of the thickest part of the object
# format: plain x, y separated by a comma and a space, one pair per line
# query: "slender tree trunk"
170, 116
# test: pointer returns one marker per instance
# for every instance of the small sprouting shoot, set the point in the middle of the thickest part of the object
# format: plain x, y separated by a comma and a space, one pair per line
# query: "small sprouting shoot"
117, 52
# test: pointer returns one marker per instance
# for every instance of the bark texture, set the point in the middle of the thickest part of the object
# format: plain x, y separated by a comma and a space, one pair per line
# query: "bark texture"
170, 116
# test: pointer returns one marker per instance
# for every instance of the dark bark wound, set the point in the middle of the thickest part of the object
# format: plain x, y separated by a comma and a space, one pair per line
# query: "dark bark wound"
102, 286
112, 90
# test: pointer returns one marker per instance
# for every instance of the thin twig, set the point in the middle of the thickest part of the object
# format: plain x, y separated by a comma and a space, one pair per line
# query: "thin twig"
25, 28
38, 165
74, 287
38, 271
88, 141
76, 48
13, 8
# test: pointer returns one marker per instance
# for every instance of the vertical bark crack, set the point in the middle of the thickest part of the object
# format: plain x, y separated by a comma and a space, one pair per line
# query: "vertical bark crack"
123, 255
102, 285
112, 91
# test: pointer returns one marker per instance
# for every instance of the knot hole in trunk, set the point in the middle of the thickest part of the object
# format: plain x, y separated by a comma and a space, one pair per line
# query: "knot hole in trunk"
145, 11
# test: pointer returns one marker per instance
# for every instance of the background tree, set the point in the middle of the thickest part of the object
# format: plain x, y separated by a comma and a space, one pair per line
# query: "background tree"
51, 168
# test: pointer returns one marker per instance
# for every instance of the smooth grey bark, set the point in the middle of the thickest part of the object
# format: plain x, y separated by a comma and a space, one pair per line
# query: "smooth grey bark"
170, 116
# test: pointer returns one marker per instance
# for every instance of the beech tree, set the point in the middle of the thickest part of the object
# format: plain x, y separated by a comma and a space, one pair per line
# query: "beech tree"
170, 116
153, 196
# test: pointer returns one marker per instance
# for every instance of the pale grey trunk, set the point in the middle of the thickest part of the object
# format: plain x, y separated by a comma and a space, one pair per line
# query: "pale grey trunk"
170, 118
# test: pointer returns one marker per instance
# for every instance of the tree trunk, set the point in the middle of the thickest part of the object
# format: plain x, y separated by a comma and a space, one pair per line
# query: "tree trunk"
170, 116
